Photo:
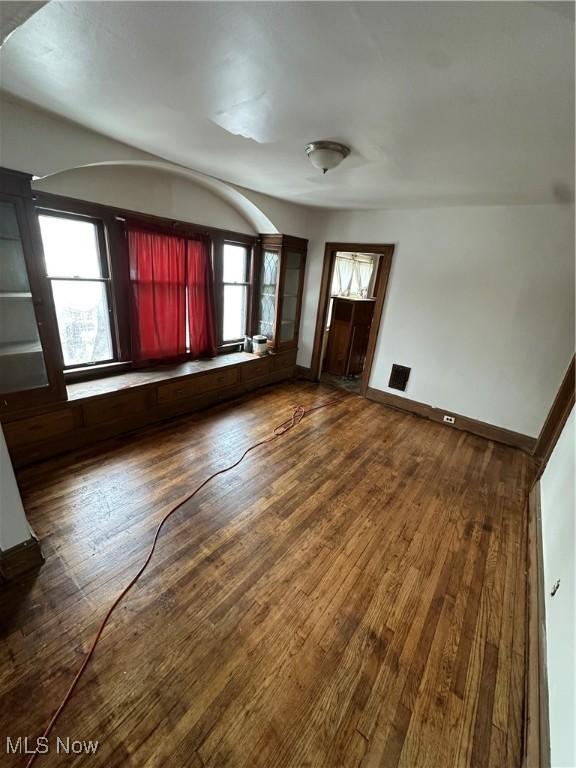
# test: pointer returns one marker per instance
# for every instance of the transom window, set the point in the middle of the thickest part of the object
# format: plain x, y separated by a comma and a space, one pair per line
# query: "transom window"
235, 283
354, 274
77, 268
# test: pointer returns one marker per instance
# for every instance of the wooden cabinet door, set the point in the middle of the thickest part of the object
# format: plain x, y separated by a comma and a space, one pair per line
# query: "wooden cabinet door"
290, 296
280, 272
338, 348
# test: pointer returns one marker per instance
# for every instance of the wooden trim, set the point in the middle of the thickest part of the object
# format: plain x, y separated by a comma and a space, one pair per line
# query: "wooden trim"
255, 281
536, 712
16, 183
330, 250
479, 428
289, 241
45, 314
20, 559
380, 288
316, 362
557, 416
72, 375
107, 278
217, 266
304, 372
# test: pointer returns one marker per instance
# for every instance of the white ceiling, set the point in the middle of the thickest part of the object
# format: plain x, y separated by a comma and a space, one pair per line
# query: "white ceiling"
442, 103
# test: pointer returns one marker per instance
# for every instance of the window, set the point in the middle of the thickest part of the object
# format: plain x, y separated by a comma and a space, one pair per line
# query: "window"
89, 265
76, 265
353, 275
268, 282
235, 284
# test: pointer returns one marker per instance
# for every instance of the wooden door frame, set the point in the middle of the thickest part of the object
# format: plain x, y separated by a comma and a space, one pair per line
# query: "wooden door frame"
380, 287
557, 417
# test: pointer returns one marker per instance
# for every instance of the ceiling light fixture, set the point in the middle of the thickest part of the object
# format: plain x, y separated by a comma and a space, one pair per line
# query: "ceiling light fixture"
326, 155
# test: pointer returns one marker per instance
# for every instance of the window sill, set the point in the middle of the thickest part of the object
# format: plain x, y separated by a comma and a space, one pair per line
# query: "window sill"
95, 371
109, 383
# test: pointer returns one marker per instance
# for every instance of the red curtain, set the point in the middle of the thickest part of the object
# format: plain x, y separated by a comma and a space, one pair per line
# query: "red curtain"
163, 269
201, 309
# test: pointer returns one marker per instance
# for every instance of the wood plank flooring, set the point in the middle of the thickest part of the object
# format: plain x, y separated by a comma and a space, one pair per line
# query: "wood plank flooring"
352, 595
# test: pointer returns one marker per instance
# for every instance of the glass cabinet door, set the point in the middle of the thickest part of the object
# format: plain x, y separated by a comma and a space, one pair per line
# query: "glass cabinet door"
267, 299
290, 295
22, 365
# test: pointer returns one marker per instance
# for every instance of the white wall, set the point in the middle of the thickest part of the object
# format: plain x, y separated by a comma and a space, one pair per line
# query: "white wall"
480, 305
147, 191
558, 539
14, 528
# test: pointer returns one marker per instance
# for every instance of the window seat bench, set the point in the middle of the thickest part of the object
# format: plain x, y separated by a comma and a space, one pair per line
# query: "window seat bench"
114, 405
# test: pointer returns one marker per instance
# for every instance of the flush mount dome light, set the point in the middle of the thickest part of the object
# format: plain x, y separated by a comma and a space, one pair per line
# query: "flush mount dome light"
326, 155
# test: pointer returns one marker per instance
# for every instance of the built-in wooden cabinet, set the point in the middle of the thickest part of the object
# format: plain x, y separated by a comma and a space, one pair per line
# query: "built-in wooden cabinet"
30, 364
348, 335
105, 408
279, 286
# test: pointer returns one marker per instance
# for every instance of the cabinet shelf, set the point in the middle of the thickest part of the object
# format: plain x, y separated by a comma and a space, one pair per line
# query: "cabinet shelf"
30, 363
20, 348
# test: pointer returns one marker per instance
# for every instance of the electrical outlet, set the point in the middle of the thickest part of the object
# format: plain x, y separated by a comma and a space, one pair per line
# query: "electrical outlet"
449, 419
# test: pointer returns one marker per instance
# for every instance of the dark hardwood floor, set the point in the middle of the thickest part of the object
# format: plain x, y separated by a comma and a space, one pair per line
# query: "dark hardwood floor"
352, 595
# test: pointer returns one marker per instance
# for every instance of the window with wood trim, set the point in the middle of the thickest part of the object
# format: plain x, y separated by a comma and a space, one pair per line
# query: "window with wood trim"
77, 267
235, 291
100, 254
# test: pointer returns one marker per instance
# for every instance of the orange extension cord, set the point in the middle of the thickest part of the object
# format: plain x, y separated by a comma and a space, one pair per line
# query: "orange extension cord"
298, 413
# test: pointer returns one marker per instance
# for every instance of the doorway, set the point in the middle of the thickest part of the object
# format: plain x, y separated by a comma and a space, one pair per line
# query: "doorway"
352, 293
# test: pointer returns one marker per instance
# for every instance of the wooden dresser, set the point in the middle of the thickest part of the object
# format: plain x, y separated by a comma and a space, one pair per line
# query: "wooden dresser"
348, 336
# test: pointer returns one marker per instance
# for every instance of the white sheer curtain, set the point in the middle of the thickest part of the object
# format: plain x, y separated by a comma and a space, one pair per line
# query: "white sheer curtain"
364, 270
343, 275
352, 274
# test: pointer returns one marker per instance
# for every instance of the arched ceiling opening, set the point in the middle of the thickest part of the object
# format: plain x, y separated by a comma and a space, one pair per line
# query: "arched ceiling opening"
246, 208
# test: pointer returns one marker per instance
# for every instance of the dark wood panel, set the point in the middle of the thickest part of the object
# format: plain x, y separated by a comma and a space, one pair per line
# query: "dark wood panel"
559, 412
285, 359
257, 368
20, 559
348, 336
536, 711
26, 431
102, 409
306, 609
304, 372
197, 385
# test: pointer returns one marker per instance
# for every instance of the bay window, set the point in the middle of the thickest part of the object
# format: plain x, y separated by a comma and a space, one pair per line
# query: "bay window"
123, 298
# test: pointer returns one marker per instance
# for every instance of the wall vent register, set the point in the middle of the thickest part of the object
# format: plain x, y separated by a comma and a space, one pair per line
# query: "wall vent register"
399, 377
